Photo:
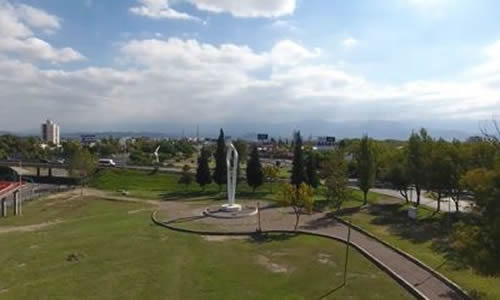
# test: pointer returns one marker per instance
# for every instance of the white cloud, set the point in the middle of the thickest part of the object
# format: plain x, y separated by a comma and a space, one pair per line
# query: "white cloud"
192, 54
17, 23
186, 81
350, 42
10, 25
492, 64
248, 8
289, 53
158, 9
33, 47
38, 18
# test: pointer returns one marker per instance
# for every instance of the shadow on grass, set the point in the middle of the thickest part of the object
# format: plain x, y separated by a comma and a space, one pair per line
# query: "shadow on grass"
434, 228
261, 238
211, 194
176, 195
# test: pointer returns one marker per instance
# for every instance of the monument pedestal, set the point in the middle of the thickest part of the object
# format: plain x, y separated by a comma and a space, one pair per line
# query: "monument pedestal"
231, 207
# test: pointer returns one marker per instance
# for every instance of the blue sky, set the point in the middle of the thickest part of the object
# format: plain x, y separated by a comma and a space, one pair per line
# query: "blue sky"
105, 65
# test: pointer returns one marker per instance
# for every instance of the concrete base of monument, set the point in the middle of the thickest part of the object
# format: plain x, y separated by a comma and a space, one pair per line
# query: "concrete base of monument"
230, 212
231, 207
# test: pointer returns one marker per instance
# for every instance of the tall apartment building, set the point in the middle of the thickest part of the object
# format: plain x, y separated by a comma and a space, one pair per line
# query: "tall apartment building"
50, 132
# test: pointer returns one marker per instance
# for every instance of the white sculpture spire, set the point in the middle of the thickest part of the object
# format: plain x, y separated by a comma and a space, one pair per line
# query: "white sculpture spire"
232, 173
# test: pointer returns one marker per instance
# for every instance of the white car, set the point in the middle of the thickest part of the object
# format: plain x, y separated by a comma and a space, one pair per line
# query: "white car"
106, 162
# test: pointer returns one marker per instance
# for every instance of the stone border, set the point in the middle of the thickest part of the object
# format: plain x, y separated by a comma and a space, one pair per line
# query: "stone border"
405, 284
415, 260
220, 214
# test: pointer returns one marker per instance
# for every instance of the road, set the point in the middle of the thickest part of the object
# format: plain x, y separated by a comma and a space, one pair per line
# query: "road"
447, 204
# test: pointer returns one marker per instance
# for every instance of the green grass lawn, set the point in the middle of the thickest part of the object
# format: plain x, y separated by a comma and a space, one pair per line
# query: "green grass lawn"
425, 239
111, 250
144, 184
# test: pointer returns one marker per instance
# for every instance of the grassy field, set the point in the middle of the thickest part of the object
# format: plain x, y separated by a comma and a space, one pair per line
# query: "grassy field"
386, 217
425, 239
164, 186
111, 250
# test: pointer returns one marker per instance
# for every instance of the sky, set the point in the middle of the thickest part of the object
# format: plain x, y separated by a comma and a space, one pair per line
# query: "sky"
156, 65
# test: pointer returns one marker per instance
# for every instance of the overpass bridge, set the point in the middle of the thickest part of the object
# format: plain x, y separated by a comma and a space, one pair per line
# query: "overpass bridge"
39, 166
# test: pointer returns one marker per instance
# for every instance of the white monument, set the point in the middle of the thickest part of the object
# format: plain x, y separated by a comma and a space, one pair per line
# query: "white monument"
156, 155
232, 169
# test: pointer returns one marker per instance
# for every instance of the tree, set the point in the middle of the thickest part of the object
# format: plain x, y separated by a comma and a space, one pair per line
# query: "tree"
312, 178
255, 177
298, 170
397, 173
460, 164
203, 171
271, 174
417, 155
334, 171
220, 172
186, 177
492, 133
299, 198
439, 171
480, 243
242, 148
82, 165
366, 167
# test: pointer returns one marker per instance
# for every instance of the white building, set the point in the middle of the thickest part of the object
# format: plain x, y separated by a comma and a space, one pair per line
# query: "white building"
50, 132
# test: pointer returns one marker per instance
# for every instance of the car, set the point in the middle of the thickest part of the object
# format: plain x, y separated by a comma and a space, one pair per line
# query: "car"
106, 162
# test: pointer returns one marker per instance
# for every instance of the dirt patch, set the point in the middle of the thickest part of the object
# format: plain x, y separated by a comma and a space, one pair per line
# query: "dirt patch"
271, 266
325, 259
29, 228
136, 211
3, 291
222, 238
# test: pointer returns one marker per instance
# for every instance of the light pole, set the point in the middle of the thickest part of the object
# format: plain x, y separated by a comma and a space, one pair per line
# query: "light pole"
347, 251
19, 196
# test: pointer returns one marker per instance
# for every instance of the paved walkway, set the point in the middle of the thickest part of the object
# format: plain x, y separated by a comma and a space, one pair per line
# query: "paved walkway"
424, 281
283, 219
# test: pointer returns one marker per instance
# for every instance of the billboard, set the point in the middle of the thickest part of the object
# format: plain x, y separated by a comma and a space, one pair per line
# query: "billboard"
262, 136
326, 141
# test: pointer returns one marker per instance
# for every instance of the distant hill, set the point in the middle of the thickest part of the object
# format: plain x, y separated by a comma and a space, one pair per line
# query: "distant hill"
341, 129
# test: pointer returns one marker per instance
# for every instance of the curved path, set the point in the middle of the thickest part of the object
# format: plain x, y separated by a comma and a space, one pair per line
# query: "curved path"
409, 272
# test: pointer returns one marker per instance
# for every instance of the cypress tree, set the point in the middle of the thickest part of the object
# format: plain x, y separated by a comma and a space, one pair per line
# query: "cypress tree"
203, 171
255, 176
366, 167
312, 170
298, 170
220, 172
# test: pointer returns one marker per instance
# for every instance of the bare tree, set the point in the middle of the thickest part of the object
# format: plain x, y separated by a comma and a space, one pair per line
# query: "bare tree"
491, 131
